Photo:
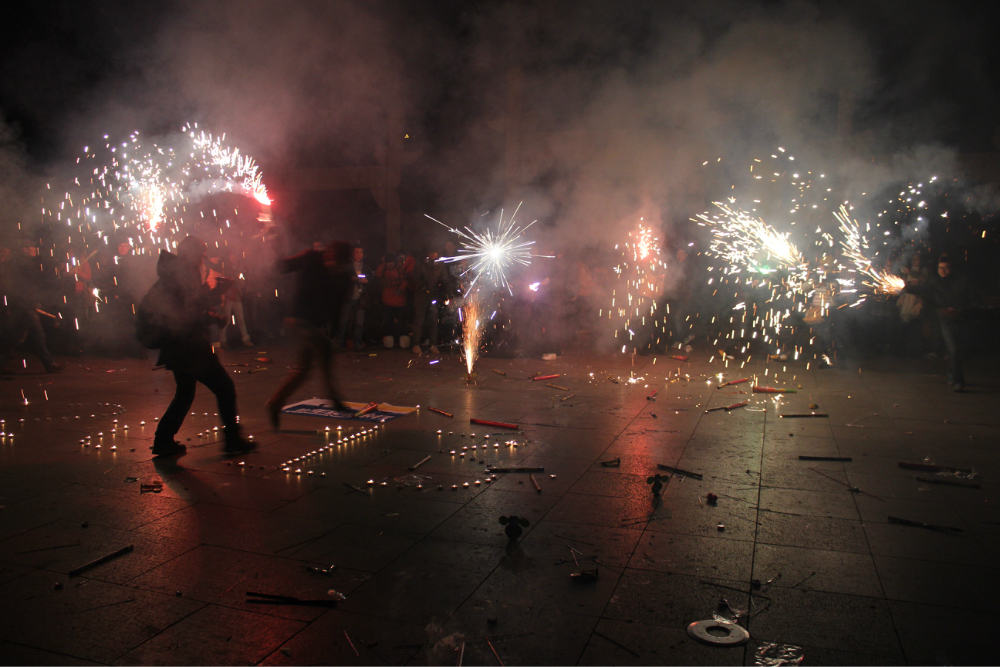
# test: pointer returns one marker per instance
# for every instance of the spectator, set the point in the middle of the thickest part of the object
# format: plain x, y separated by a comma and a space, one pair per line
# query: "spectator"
392, 273
355, 306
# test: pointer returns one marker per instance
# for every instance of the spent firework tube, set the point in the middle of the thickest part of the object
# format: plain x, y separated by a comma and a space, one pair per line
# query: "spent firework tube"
740, 381
484, 422
371, 407
545, 377
757, 389
678, 357
440, 412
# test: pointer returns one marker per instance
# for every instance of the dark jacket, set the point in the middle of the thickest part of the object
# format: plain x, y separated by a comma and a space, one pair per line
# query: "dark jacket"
190, 301
953, 292
320, 289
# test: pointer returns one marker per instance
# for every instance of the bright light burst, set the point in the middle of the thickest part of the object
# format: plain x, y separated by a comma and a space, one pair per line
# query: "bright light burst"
743, 240
854, 245
634, 301
472, 329
493, 252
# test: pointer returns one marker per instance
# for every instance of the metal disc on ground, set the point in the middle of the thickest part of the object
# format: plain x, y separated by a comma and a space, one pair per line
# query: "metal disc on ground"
718, 633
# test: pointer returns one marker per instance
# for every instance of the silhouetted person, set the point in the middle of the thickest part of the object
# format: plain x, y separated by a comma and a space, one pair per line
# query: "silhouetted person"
323, 285
187, 351
951, 295
355, 305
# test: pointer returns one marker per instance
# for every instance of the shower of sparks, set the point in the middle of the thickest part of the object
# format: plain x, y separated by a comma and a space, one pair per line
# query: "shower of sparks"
854, 246
491, 253
746, 241
634, 301
472, 330
232, 166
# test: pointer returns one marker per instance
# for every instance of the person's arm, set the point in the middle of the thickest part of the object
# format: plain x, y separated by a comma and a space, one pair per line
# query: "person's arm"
294, 263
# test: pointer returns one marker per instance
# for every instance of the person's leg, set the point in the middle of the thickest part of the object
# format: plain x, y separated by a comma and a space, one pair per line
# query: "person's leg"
323, 350
241, 322
952, 334
359, 325
345, 315
297, 374
217, 379
420, 303
170, 422
37, 342
432, 315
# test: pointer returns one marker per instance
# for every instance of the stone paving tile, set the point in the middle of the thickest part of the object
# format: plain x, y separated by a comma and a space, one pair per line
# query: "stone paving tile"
671, 600
414, 597
794, 617
86, 619
214, 636
812, 532
693, 555
817, 570
248, 530
216, 575
16, 654
62, 546
328, 641
943, 636
937, 583
630, 643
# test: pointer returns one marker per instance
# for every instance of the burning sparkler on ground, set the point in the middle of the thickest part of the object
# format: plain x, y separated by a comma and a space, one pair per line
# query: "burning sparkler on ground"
640, 284
471, 315
493, 252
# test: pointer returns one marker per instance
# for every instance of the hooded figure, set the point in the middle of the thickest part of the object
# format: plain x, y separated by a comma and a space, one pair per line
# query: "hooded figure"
187, 350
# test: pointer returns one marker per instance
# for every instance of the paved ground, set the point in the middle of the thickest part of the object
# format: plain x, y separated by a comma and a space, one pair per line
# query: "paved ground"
429, 573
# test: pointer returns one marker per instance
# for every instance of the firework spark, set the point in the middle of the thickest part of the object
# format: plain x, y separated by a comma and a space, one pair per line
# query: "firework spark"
854, 245
492, 252
472, 330
742, 240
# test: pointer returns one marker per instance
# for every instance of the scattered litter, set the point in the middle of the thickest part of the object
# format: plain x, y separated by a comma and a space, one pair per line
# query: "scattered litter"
555, 386
154, 487
268, 598
566, 398
514, 526
657, 482
774, 655
325, 571
355, 488
371, 407
950, 482
613, 463
257, 370
102, 560
920, 524
545, 377
712, 499
727, 408
352, 644
928, 467
810, 576
585, 575
499, 372
803, 415
528, 470
678, 471
535, 482
131, 480
619, 645
757, 389
732, 382
718, 633
420, 462
484, 422
857, 425
825, 458
440, 412
611, 379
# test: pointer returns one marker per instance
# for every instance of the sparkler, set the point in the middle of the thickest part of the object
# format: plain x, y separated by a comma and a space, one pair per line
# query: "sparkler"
492, 252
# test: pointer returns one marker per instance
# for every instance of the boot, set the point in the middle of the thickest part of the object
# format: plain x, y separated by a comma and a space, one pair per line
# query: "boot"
168, 447
235, 444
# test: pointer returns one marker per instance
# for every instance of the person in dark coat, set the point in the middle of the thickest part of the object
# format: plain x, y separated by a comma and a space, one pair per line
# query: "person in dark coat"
188, 354
951, 295
323, 286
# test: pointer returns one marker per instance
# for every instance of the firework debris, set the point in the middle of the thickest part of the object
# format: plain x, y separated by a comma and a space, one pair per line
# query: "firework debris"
929, 467
732, 382
678, 471
440, 412
528, 470
825, 458
803, 415
613, 463
420, 462
102, 560
757, 389
485, 422
727, 408
555, 386
536, 378
920, 524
